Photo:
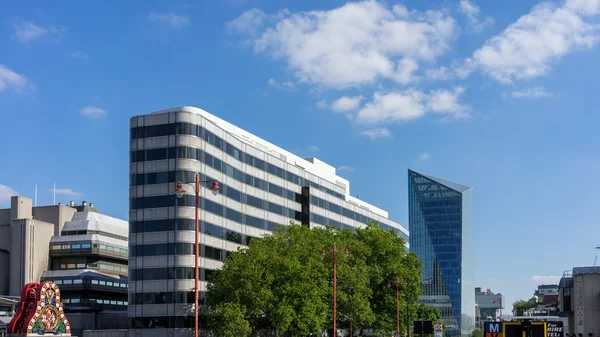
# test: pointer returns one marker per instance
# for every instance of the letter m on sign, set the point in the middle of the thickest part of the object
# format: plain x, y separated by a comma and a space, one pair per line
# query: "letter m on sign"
494, 329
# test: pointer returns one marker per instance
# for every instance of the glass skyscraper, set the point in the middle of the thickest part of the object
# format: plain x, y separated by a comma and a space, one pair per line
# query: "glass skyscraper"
441, 234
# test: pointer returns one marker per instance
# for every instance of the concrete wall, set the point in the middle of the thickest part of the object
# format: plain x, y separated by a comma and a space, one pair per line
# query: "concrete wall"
101, 324
590, 286
57, 215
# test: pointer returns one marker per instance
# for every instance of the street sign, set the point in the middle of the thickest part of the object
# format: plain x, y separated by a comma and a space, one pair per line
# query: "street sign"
494, 329
555, 329
439, 330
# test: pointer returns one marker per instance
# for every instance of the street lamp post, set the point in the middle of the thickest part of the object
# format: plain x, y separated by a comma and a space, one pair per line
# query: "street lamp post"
179, 192
397, 305
346, 252
397, 282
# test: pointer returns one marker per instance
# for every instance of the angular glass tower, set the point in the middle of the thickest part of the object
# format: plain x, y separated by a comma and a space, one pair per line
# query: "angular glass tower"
441, 234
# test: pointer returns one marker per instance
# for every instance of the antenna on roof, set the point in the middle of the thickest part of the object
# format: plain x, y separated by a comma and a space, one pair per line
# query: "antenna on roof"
54, 190
35, 198
596, 258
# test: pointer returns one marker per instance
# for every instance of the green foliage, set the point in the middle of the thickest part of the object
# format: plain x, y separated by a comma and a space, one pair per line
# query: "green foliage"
477, 333
425, 313
519, 307
281, 282
229, 321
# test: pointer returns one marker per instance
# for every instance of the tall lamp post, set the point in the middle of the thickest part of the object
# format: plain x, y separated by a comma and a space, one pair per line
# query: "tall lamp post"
179, 192
346, 252
397, 282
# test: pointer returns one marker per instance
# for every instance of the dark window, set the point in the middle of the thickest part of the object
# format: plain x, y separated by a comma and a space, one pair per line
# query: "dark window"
233, 193
271, 226
276, 208
212, 253
234, 215
213, 230
233, 236
275, 189
253, 201
255, 222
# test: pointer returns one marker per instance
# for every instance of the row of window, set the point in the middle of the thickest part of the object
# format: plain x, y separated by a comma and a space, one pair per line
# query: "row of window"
189, 225
179, 322
179, 248
278, 190
346, 213
93, 282
215, 208
169, 273
100, 266
86, 231
209, 137
108, 248
170, 297
92, 300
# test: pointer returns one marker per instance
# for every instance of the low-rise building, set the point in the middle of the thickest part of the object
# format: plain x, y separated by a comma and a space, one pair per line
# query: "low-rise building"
490, 304
89, 264
578, 300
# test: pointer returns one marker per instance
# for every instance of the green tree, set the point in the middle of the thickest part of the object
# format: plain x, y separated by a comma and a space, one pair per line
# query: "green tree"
281, 282
425, 313
477, 333
229, 321
519, 307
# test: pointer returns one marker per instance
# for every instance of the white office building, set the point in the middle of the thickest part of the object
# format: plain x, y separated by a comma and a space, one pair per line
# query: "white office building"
262, 186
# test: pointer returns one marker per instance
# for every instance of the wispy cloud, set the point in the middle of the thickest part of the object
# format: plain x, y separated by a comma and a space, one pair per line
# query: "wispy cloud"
67, 192
313, 148
280, 85
80, 55
424, 156
345, 103
471, 11
545, 279
345, 168
6, 192
170, 20
534, 92
536, 41
249, 22
377, 133
11, 80
91, 111
27, 32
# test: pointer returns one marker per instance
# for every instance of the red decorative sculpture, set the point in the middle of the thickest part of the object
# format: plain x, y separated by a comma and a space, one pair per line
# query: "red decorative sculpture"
40, 312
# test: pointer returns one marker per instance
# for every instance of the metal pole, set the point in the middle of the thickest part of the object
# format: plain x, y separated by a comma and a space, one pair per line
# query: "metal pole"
397, 308
197, 254
334, 289
350, 327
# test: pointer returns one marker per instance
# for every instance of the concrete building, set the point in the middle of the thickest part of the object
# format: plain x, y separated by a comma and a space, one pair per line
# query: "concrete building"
579, 300
546, 289
441, 234
262, 186
490, 304
88, 261
25, 233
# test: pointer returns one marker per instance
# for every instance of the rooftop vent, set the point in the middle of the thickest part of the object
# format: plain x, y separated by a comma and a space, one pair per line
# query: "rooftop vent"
91, 204
84, 203
72, 203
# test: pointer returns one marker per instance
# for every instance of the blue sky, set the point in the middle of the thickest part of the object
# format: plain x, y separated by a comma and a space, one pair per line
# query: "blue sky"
498, 95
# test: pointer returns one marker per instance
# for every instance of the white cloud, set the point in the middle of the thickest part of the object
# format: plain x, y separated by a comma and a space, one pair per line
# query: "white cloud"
438, 74
171, 20
91, 111
392, 107
345, 168
12, 80
281, 85
534, 92
27, 32
345, 103
445, 101
6, 192
80, 55
67, 192
322, 104
354, 44
424, 156
377, 133
411, 104
471, 11
248, 23
545, 279
530, 46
